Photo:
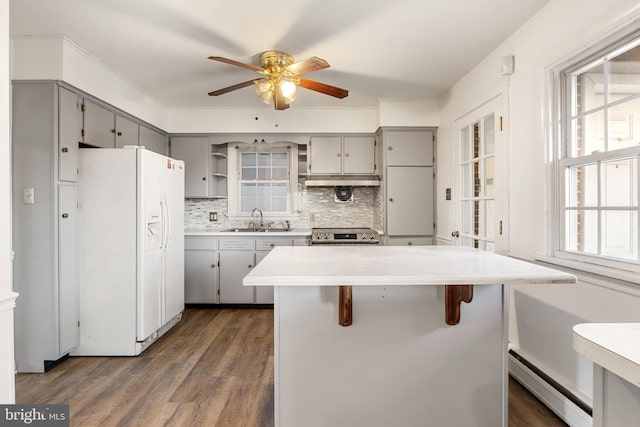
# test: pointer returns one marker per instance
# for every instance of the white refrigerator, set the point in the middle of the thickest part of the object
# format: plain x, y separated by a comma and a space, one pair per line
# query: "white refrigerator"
131, 224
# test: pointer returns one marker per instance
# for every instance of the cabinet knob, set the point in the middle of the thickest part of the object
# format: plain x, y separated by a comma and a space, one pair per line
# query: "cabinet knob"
255, 141
204, 178
272, 245
389, 148
213, 266
119, 133
337, 154
391, 199
65, 150
113, 131
409, 243
346, 154
250, 266
65, 215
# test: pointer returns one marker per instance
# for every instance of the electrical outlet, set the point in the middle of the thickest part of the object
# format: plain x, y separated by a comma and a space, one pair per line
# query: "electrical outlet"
213, 216
28, 196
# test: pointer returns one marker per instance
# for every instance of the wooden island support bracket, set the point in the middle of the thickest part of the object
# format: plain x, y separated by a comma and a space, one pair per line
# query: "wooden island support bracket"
454, 295
345, 306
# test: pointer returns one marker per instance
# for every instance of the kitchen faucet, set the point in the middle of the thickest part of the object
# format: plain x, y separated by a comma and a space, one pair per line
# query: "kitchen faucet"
260, 225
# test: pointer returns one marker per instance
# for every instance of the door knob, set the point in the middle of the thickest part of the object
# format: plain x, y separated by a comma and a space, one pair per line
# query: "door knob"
65, 215
455, 233
65, 150
391, 199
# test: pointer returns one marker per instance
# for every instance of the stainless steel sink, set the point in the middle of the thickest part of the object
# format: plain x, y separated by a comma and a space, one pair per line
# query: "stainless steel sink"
253, 230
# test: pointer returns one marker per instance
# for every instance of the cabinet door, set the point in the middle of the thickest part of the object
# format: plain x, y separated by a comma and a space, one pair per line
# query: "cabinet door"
234, 265
264, 294
153, 141
409, 201
99, 126
69, 134
201, 277
193, 150
68, 268
359, 155
325, 155
409, 148
126, 132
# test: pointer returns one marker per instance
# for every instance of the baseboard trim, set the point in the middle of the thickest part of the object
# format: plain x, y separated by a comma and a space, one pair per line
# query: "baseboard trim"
570, 409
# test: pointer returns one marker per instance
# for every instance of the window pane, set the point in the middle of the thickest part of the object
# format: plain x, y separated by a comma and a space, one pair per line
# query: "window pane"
264, 174
489, 134
464, 145
489, 186
588, 134
264, 159
279, 159
466, 215
248, 174
582, 231
622, 121
589, 89
279, 190
619, 234
583, 186
248, 159
279, 173
619, 183
624, 77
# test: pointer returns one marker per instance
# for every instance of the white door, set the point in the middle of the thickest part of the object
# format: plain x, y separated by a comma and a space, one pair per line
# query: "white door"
478, 213
151, 235
173, 251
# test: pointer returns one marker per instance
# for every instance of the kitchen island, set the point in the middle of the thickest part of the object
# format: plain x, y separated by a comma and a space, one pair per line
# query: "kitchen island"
390, 335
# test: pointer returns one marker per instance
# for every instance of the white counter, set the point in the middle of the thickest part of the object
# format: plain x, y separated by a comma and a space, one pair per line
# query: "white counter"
398, 363
614, 349
363, 265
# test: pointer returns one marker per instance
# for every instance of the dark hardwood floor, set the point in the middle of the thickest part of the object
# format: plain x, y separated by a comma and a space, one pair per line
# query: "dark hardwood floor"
215, 368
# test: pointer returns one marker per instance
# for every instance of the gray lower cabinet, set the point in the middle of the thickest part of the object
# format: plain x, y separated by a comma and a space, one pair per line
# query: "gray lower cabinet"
215, 268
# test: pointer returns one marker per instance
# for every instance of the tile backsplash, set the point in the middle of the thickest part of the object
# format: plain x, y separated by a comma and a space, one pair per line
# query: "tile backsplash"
318, 207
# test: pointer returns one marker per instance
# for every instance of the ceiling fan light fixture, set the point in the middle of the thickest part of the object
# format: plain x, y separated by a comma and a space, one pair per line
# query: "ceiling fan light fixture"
264, 90
288, 90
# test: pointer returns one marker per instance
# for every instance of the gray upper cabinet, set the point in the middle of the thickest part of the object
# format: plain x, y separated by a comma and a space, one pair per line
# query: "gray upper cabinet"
193, 150
342, 155
103, 128
99, 125
153, 140
126, 132
70, 134
409, 147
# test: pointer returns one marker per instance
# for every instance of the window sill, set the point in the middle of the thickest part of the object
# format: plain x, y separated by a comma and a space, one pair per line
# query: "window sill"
608, 277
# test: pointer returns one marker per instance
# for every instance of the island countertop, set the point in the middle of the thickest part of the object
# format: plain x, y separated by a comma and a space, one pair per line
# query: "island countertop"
362, 265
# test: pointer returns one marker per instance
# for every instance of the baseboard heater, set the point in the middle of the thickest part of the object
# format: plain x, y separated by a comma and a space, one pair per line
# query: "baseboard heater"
553, 383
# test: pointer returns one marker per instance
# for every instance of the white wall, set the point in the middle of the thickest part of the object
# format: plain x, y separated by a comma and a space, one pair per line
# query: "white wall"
542, 318
7, 297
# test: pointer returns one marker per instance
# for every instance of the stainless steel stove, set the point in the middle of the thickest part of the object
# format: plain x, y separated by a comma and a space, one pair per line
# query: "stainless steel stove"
344, 236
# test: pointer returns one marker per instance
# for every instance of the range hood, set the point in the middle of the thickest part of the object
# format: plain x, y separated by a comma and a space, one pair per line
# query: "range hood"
342, 181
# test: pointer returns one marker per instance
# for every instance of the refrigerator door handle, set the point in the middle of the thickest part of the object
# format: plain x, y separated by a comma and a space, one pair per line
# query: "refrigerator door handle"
166, 224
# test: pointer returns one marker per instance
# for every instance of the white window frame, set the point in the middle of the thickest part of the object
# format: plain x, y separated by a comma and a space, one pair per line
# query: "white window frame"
234, 176
560, 123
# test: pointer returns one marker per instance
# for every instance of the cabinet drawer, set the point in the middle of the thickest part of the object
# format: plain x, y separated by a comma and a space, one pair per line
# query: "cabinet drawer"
410, 241
200, 243
268, 244
236, 244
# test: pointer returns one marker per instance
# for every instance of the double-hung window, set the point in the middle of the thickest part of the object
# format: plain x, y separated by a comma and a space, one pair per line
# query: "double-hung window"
599, 130
264, 177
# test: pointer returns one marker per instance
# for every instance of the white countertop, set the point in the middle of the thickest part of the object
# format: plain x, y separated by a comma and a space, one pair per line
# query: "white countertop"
362, 265
296, 232
614, 346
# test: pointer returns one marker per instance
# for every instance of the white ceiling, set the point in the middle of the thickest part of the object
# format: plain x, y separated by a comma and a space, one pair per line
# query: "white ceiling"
378, 49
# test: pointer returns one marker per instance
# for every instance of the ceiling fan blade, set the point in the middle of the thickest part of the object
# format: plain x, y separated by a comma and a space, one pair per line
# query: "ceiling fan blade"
231, 88
239, 64
307, 65
323, 88
278, 101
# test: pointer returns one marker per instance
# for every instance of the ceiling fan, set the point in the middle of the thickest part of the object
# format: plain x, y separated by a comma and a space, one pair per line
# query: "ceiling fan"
282, 77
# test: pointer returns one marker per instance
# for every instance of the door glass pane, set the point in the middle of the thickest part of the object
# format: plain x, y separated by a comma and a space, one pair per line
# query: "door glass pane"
476, 140
464, 145
622, 121
490, 214
466, 180
489, 186
588, 135
466, 214
619, 234
489, 134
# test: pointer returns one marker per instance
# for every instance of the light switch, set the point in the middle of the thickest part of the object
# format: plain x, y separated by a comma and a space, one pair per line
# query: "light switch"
28, 196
